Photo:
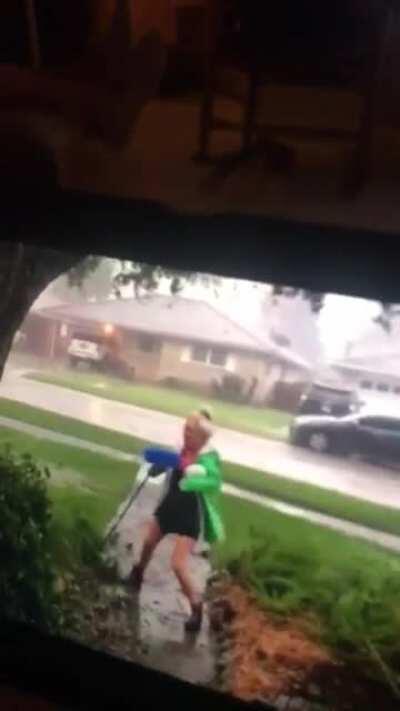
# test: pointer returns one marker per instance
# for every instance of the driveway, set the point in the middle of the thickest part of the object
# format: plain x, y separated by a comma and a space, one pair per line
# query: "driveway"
372, 483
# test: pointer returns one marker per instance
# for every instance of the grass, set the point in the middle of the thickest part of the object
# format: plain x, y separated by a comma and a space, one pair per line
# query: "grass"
348, 590
377, 517
242, 518
263, 422
349, 508
82, 482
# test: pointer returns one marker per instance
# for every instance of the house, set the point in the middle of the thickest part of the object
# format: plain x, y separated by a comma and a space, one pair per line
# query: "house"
170, 338
372, 364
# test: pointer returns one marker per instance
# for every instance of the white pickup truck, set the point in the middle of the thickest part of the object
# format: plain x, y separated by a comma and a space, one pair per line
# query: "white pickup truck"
85, 348
93, 350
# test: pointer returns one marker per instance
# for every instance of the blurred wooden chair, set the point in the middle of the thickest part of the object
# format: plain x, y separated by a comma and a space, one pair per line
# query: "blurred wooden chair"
100, 95
292, 43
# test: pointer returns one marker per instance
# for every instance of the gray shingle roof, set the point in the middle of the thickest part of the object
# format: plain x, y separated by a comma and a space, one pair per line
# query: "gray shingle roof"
175, 317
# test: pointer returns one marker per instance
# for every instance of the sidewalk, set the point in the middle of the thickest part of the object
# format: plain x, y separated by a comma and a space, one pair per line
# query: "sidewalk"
161, 638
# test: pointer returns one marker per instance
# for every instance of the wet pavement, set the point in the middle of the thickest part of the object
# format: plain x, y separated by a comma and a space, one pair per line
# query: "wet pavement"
162, 609
354, 478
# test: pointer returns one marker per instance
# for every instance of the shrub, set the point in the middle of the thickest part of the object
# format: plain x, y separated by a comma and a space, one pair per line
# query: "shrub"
174, 383
231, 388
27, 574
74, 543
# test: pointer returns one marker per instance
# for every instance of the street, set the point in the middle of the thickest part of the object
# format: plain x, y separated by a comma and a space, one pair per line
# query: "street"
354, 478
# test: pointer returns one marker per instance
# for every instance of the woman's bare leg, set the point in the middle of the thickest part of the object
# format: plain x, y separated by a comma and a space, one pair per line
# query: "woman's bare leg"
180, 557
151, 540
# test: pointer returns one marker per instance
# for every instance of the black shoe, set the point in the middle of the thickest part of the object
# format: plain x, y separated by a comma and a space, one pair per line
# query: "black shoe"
193, 624
135, 579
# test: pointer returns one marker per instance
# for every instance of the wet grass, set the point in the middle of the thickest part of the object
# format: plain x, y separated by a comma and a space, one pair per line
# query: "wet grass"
347, 590
242, 518
264, 422
82, 483
276, 487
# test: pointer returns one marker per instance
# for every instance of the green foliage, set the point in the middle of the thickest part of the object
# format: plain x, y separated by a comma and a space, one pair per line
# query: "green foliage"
356, 608
75, 543
40, 543
231, 388
315, 299
146, 278
27, 574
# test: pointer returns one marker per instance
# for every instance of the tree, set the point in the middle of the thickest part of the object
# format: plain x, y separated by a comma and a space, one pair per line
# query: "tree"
25, 272
92, 279
386, 316
146, 278
314, 298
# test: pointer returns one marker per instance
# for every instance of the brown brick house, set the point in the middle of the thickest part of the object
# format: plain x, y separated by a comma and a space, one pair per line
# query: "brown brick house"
169, 338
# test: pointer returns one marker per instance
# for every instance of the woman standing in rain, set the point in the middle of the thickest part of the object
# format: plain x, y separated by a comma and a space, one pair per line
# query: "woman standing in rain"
188, 510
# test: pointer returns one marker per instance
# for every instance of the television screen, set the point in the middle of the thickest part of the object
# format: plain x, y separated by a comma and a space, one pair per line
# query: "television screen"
200, 474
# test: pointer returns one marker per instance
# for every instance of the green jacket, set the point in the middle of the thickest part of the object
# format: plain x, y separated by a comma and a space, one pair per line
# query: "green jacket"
205, 478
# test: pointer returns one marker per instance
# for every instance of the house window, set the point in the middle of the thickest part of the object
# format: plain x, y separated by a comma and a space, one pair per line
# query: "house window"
209, 356
200, 354
218, 356
147, 344
366, 385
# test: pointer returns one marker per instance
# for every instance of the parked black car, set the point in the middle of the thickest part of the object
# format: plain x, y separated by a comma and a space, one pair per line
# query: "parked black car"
323, 399
374, 436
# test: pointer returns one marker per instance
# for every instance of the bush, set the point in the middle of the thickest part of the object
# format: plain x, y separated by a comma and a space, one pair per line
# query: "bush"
27, 574
231, 388
74, 543
174, 383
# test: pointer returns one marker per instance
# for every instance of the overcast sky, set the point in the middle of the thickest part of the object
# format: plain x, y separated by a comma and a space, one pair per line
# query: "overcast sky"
342, 319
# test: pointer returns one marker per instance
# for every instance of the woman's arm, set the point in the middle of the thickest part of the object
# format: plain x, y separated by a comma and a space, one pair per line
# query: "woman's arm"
203, 477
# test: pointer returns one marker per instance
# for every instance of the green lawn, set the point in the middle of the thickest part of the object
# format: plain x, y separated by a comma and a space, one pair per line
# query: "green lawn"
313, 497
264, 422
86, 481
243, 518
83, 486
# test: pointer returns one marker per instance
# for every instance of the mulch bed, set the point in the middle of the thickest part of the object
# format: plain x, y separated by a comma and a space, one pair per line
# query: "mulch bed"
282, 663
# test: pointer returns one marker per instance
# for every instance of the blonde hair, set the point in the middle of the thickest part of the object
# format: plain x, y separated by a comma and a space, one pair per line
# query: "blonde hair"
204, 420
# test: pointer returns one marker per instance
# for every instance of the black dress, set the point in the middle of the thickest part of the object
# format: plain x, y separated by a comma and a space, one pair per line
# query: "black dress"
179, 512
